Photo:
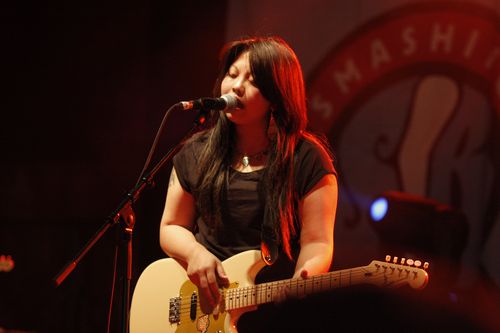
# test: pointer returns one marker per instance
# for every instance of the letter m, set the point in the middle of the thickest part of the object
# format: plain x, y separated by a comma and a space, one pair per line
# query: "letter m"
347, 75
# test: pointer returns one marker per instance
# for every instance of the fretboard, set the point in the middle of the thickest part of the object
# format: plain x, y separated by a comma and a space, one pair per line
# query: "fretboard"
271, 291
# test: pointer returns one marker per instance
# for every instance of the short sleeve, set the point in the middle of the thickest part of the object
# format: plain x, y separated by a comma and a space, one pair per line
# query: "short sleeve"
312, 164
185, 164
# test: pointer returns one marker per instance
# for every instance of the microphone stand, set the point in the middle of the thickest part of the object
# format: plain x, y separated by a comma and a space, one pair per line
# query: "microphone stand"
125, 216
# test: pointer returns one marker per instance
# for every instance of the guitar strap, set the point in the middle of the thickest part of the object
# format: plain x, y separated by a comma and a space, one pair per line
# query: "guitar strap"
269, 243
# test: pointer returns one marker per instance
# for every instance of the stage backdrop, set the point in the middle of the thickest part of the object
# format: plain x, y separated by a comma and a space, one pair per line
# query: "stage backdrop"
408, 92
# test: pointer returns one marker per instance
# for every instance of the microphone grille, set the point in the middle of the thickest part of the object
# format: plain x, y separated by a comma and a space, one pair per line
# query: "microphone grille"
231, 101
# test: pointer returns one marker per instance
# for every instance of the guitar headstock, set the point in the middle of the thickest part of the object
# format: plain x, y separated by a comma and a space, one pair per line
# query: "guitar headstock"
395, 272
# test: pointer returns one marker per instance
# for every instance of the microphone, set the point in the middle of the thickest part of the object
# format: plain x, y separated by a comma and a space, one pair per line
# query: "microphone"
225, 102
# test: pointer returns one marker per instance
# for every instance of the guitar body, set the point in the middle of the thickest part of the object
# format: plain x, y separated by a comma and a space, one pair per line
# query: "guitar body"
166, 280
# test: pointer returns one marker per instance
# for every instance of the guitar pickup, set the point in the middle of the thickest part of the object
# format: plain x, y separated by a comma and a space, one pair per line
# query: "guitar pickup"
194, 303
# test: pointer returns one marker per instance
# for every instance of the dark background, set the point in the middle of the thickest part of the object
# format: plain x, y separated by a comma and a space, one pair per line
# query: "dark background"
85, 86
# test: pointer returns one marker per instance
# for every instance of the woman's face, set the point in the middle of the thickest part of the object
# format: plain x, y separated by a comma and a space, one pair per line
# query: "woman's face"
252, 106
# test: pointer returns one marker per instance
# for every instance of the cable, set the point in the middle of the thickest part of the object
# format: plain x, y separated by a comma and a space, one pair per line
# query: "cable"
155, 142
112, 288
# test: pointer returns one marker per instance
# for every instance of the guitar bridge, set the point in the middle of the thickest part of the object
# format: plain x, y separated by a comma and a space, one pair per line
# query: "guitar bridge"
174, 312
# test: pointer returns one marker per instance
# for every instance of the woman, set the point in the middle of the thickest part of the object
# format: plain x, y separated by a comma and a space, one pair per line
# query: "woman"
256, 173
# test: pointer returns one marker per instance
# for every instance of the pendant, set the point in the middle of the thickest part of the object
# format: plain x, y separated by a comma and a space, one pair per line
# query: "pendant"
245, 161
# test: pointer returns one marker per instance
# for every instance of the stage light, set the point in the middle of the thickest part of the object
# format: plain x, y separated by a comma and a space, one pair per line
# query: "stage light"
418, 223
378, 209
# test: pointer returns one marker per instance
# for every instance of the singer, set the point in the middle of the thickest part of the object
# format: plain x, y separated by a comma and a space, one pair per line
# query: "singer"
255, 178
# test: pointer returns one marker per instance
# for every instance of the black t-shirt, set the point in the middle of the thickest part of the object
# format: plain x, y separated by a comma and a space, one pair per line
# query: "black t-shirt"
241, 225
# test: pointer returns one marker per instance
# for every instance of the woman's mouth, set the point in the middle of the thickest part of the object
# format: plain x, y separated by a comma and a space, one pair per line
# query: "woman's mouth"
239, 104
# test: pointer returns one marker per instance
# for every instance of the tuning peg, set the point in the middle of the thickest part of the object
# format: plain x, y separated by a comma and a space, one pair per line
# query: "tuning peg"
409, 262
403, 261
418, 263
426, 265
395, 260
387, 258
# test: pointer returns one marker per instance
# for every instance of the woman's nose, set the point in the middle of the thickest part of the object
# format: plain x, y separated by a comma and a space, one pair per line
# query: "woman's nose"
238, 88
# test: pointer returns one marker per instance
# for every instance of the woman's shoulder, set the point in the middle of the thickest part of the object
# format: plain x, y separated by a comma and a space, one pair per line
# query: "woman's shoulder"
313, 161
314, 144
196, 142
314, 151
186, 160
191, 148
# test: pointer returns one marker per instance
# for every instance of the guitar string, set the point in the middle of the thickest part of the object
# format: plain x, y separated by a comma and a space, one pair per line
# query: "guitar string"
266, 289
235, 304
267, 292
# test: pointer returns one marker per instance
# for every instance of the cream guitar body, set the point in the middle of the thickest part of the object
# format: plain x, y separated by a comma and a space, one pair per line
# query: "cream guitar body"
165, 281
165, 300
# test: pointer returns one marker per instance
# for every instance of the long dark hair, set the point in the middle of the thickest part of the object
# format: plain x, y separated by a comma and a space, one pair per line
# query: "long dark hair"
277, 73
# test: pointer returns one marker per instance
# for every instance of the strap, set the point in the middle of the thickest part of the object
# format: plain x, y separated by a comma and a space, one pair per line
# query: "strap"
269, 244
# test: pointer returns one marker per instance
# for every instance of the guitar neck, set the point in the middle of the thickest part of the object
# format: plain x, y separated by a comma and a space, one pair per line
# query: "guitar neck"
298, 287
382, 274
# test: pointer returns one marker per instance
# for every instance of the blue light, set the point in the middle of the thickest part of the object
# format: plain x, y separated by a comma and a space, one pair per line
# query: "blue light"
378, 209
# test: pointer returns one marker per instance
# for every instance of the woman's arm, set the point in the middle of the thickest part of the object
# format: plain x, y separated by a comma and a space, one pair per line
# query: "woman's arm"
317, 210
179, 213
178, 241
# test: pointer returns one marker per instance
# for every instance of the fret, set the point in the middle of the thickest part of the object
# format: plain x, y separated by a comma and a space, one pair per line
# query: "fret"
244, 297
324, 285
336, 280
252, 300
274, 290
301, 288
259, 294
264, 294
227, 299
250, 297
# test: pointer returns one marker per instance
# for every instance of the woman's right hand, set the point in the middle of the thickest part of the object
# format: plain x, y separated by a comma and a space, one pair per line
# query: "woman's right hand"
178, 241
206, 272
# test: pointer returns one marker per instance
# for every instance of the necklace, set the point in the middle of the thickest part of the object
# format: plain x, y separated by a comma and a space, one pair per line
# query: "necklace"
245, 159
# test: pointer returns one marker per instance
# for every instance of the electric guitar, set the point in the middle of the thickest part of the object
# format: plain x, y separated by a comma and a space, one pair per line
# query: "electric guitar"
166, 301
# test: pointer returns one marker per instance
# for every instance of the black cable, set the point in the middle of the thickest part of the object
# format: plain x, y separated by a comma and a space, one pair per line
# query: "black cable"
155, 142
112, 288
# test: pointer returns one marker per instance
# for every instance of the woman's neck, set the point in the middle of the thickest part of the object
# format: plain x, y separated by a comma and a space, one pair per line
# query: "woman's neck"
251, 140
